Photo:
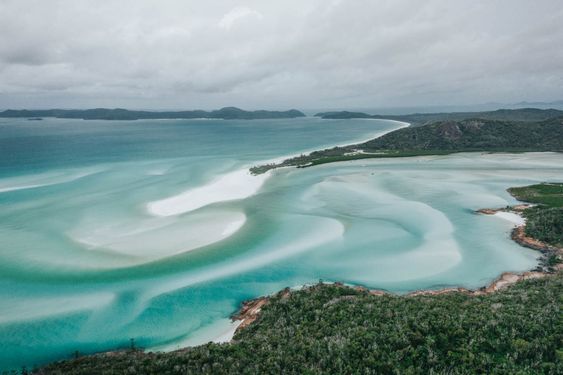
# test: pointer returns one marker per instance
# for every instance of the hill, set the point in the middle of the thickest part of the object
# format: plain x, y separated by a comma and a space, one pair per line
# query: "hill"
227, 113
418, 119
474, 134
443, 137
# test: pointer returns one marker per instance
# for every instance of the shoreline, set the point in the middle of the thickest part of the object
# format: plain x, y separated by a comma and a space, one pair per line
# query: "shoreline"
281, 159
250, 309
265, 166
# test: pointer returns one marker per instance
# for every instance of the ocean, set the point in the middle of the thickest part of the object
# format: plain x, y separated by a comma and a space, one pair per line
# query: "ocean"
155, 231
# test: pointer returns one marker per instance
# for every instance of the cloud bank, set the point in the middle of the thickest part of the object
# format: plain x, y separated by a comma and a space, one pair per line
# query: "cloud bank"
293, 53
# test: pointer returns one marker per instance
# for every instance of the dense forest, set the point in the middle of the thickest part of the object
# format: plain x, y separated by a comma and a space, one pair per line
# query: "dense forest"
474, 134
443, 137
544, 221
335, 329
227, 113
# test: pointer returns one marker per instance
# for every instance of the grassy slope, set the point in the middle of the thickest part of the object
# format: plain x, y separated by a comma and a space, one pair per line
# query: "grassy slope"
336, 329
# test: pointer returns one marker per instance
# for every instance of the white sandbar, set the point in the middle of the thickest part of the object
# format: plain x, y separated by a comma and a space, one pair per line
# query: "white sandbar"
234, 185
512, 217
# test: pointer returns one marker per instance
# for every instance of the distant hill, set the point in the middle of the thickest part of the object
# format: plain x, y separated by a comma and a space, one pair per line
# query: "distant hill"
418, 119
227, 113
474, 134
555, 102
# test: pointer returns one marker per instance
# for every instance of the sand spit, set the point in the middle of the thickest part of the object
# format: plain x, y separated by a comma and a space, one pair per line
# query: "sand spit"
235, 185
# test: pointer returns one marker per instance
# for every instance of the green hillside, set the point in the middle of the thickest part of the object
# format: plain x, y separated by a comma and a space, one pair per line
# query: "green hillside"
443, 137
474, 134
334, 329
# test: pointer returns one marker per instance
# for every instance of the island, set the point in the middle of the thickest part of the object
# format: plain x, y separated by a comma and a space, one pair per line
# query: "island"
226, 113
475, 134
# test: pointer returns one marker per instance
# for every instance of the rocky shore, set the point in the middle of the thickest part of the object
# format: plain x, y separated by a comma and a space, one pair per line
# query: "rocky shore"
250, 310
519, 236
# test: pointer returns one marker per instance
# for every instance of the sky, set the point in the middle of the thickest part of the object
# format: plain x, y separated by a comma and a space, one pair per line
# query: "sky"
183, 54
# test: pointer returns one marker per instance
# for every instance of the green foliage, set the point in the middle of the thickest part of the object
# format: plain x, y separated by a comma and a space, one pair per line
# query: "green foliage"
545, 224
442, 138
547, 194
335, 329
474, 135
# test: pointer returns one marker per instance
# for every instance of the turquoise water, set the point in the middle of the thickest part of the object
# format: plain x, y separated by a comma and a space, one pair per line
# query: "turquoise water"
153, 230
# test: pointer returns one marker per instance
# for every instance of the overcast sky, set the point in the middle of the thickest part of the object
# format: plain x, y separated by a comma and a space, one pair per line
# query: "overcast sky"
278, 54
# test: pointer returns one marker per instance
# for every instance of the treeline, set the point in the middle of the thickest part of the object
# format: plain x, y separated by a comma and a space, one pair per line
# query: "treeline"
545, 221
333, 329
475, 134
443, 137
545, 224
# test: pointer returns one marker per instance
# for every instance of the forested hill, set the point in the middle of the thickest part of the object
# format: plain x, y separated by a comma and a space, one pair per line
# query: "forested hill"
443, 137
227, 113
333, 329
474, 134
417, 119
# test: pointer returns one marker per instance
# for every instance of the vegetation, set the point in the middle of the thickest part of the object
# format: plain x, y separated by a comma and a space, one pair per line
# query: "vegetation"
546, 225
335, 329
443, 138
547, 194
227, 113
418, 119
545, 221
476, 134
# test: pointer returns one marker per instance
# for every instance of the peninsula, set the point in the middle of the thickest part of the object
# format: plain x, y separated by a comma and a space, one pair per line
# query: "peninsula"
477, 133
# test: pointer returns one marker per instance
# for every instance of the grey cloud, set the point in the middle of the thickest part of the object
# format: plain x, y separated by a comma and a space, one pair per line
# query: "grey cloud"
294, 53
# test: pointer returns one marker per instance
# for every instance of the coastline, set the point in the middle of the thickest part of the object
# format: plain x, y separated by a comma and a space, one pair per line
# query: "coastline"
519, 236
250, 309
281, 159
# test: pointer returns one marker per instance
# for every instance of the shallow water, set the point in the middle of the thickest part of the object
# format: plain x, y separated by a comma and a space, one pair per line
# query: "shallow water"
153, 230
